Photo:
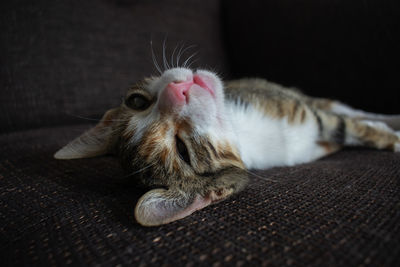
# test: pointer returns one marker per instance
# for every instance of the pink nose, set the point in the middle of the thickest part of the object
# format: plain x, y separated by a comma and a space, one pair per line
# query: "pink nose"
175, 94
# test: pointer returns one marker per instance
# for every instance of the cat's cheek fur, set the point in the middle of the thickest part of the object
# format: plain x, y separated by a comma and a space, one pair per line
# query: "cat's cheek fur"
140, 127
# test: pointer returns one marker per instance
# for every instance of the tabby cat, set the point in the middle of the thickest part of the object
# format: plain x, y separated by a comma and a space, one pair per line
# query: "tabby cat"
191, 139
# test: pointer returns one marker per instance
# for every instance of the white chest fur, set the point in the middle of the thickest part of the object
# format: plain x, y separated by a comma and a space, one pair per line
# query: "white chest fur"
265, 142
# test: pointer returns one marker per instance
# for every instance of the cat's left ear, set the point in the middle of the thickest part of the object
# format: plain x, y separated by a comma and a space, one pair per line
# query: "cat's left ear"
161, 206
97, 141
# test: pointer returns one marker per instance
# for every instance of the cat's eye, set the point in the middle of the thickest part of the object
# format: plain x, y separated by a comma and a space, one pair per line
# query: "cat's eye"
182, 150
137, 102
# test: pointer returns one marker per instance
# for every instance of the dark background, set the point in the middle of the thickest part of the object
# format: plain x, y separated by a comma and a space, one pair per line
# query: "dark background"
347, 50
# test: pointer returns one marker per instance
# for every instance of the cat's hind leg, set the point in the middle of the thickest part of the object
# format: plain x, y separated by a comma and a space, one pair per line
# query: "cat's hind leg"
348, 131
336, 107
393, 121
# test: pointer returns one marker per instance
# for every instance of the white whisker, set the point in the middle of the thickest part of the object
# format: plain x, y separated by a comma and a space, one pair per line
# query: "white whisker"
172, 56
153, 56
138, 171
261, 177
93, 119
193, 61
166, 66
183, 52
178, 56
188, 59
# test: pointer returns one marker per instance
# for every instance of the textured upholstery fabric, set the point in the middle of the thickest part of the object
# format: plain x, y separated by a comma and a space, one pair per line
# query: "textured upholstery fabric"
63, 59
341, 49
341, 210
60, 59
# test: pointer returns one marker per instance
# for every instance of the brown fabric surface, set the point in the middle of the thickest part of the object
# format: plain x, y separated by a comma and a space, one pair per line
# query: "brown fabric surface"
341, 210
62, 59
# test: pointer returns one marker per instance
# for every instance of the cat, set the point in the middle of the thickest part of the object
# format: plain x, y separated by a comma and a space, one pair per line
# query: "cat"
190, 138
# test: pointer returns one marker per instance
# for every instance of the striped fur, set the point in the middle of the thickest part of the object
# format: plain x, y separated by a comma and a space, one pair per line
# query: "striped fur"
335, 129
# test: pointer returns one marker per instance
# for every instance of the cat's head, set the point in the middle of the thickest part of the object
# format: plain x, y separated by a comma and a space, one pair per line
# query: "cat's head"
172, 131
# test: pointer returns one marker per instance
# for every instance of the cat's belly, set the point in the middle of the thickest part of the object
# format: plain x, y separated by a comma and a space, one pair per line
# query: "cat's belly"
265, 142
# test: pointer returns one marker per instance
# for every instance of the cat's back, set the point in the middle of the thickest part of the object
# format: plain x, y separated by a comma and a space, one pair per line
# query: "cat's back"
271, 98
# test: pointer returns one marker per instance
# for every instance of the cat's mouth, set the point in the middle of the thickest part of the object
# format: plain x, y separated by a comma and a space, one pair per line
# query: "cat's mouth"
179, 91
203, 83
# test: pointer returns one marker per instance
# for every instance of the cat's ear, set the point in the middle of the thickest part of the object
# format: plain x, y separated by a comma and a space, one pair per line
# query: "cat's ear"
97, 141
161, 206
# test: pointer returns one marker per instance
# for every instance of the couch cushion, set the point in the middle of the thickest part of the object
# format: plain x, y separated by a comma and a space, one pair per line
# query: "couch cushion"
341, 210
63, 59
